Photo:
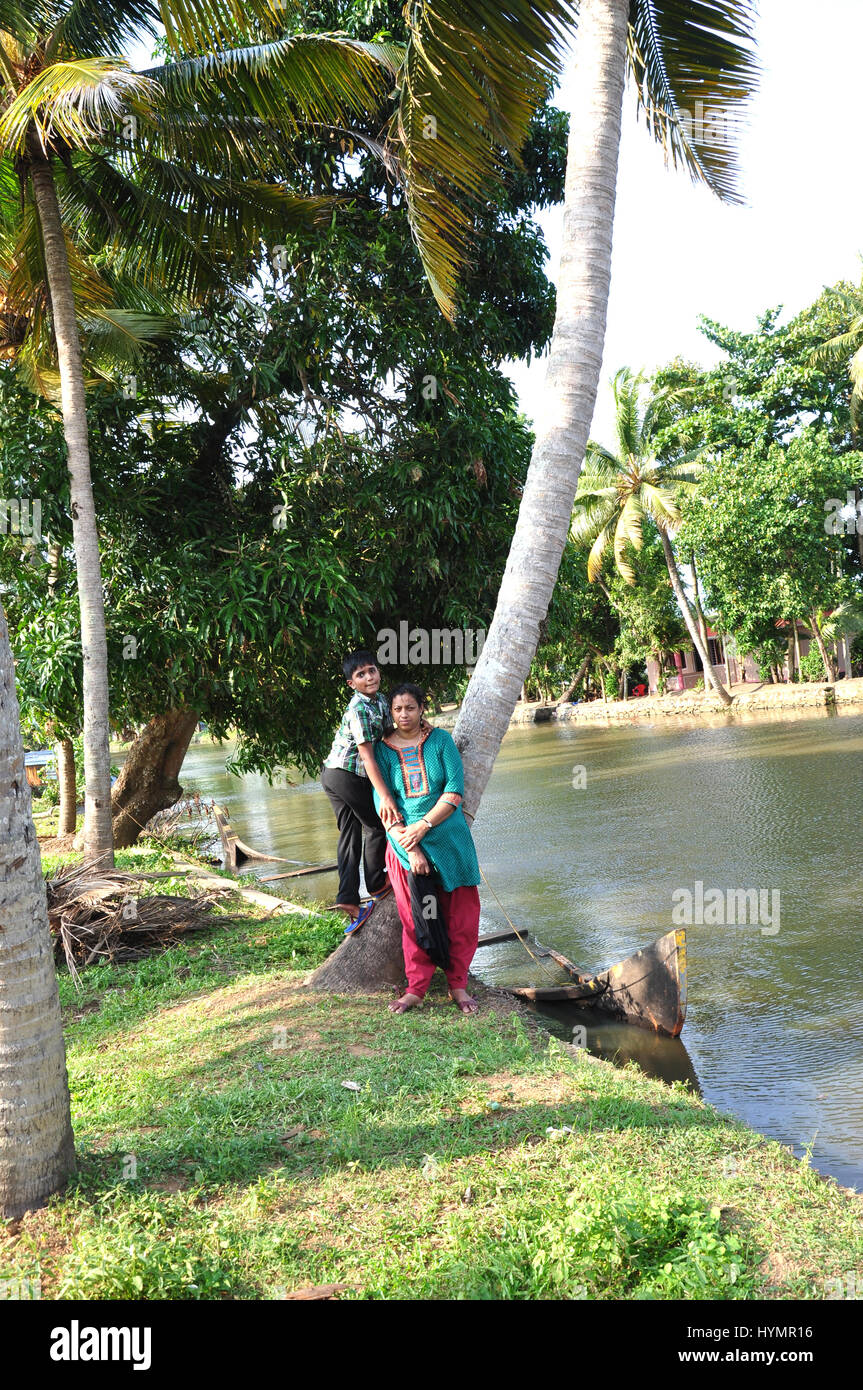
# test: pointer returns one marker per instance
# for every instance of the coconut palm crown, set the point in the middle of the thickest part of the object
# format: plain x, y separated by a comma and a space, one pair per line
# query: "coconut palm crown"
616, 491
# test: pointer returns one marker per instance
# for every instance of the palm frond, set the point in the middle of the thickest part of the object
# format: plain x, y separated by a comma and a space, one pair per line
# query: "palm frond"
659, 504
599, 462
474, 74
172, 228
18, 28
604, 539
844, 621
629, 523
290, 82
627, 417
596, 502
38, 373
75, 102
197, 25
695, 73
124, 332
101, 26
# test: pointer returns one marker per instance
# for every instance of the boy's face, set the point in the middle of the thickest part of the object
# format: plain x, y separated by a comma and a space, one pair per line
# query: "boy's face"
366, 679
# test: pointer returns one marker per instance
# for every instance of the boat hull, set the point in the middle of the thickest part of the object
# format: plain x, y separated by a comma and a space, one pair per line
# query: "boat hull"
647, 989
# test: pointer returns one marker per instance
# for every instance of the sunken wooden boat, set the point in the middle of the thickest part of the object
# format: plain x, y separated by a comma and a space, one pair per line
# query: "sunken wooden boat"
648, 988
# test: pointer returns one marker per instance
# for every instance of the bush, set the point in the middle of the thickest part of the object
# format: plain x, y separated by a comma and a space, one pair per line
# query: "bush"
811, 666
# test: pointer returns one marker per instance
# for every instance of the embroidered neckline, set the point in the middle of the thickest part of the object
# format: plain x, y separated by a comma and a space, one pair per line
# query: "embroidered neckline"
412, 764
397, 747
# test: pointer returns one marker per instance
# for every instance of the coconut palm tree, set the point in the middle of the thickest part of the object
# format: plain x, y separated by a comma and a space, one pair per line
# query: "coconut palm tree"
847, 346
36, 1149
693, 70
617, 491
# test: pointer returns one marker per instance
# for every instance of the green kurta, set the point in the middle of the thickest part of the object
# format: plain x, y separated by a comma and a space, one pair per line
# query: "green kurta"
418, 777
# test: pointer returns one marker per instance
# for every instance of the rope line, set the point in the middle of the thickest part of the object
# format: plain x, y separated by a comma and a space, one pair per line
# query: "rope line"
549, 973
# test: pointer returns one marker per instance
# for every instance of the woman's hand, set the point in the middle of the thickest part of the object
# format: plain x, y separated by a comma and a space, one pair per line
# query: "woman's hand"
412, 835
418, 862
389, 813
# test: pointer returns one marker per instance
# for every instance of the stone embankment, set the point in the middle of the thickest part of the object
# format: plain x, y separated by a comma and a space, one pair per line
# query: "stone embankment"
691, 704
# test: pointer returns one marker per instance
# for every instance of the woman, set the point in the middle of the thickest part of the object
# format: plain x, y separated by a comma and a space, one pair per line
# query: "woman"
430, 857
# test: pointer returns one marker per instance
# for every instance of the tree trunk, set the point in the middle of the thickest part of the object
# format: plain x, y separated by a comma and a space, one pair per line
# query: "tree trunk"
796, 670
829, 667
579, 675
68, 794
148, 778
699, 611
691, 624
571, 384
370, 960
37, 1152
97, 762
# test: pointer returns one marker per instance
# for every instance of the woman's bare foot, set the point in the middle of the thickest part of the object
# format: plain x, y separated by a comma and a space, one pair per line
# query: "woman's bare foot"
463, 1001
407, 1001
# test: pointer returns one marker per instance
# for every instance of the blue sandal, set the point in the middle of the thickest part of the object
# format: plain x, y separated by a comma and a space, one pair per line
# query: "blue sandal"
384, 892
362, 916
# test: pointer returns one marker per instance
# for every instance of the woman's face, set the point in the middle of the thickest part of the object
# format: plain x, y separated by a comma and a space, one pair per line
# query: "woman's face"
406, 713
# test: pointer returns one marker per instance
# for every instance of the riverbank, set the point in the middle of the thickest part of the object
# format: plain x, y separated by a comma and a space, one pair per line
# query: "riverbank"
690, 704
241, 1138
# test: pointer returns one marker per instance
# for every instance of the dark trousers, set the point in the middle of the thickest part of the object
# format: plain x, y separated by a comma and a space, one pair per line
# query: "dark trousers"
353, 803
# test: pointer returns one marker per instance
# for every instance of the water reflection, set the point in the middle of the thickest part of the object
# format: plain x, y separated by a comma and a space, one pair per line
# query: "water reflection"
666, 1058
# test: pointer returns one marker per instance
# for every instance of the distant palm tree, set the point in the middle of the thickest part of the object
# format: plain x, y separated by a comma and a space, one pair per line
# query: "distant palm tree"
847, 346
617, 491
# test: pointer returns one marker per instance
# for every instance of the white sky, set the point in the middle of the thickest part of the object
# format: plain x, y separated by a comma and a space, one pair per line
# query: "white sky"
679, 252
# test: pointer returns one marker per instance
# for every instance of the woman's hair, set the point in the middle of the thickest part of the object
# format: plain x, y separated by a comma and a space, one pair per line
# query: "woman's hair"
408, 688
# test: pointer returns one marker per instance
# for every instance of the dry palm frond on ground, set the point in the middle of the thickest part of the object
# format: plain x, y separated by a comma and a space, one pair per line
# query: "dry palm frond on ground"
193, 817
98, 914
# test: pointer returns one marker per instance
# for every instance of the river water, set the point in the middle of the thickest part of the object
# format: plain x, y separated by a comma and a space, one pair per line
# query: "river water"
588, 835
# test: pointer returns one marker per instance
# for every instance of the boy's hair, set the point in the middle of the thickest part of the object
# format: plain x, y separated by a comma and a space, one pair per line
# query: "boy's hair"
356, 659
416, 692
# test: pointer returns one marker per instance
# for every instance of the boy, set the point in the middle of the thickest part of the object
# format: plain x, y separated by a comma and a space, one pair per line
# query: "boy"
348, 775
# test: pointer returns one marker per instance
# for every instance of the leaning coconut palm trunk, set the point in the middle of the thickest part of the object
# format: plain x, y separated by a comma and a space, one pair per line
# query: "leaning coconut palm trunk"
571, 384
98, 842
829, 663
36, 1147
710, 676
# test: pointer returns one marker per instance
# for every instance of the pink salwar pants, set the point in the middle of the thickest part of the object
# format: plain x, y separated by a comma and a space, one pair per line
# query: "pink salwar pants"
461, 914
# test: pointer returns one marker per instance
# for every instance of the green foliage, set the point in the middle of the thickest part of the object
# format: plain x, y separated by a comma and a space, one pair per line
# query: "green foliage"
139, 1250
648, 1247
579, 623
300, 468
757, 525
812, 665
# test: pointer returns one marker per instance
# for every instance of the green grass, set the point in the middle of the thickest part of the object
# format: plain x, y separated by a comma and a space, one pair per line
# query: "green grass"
221, 1154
